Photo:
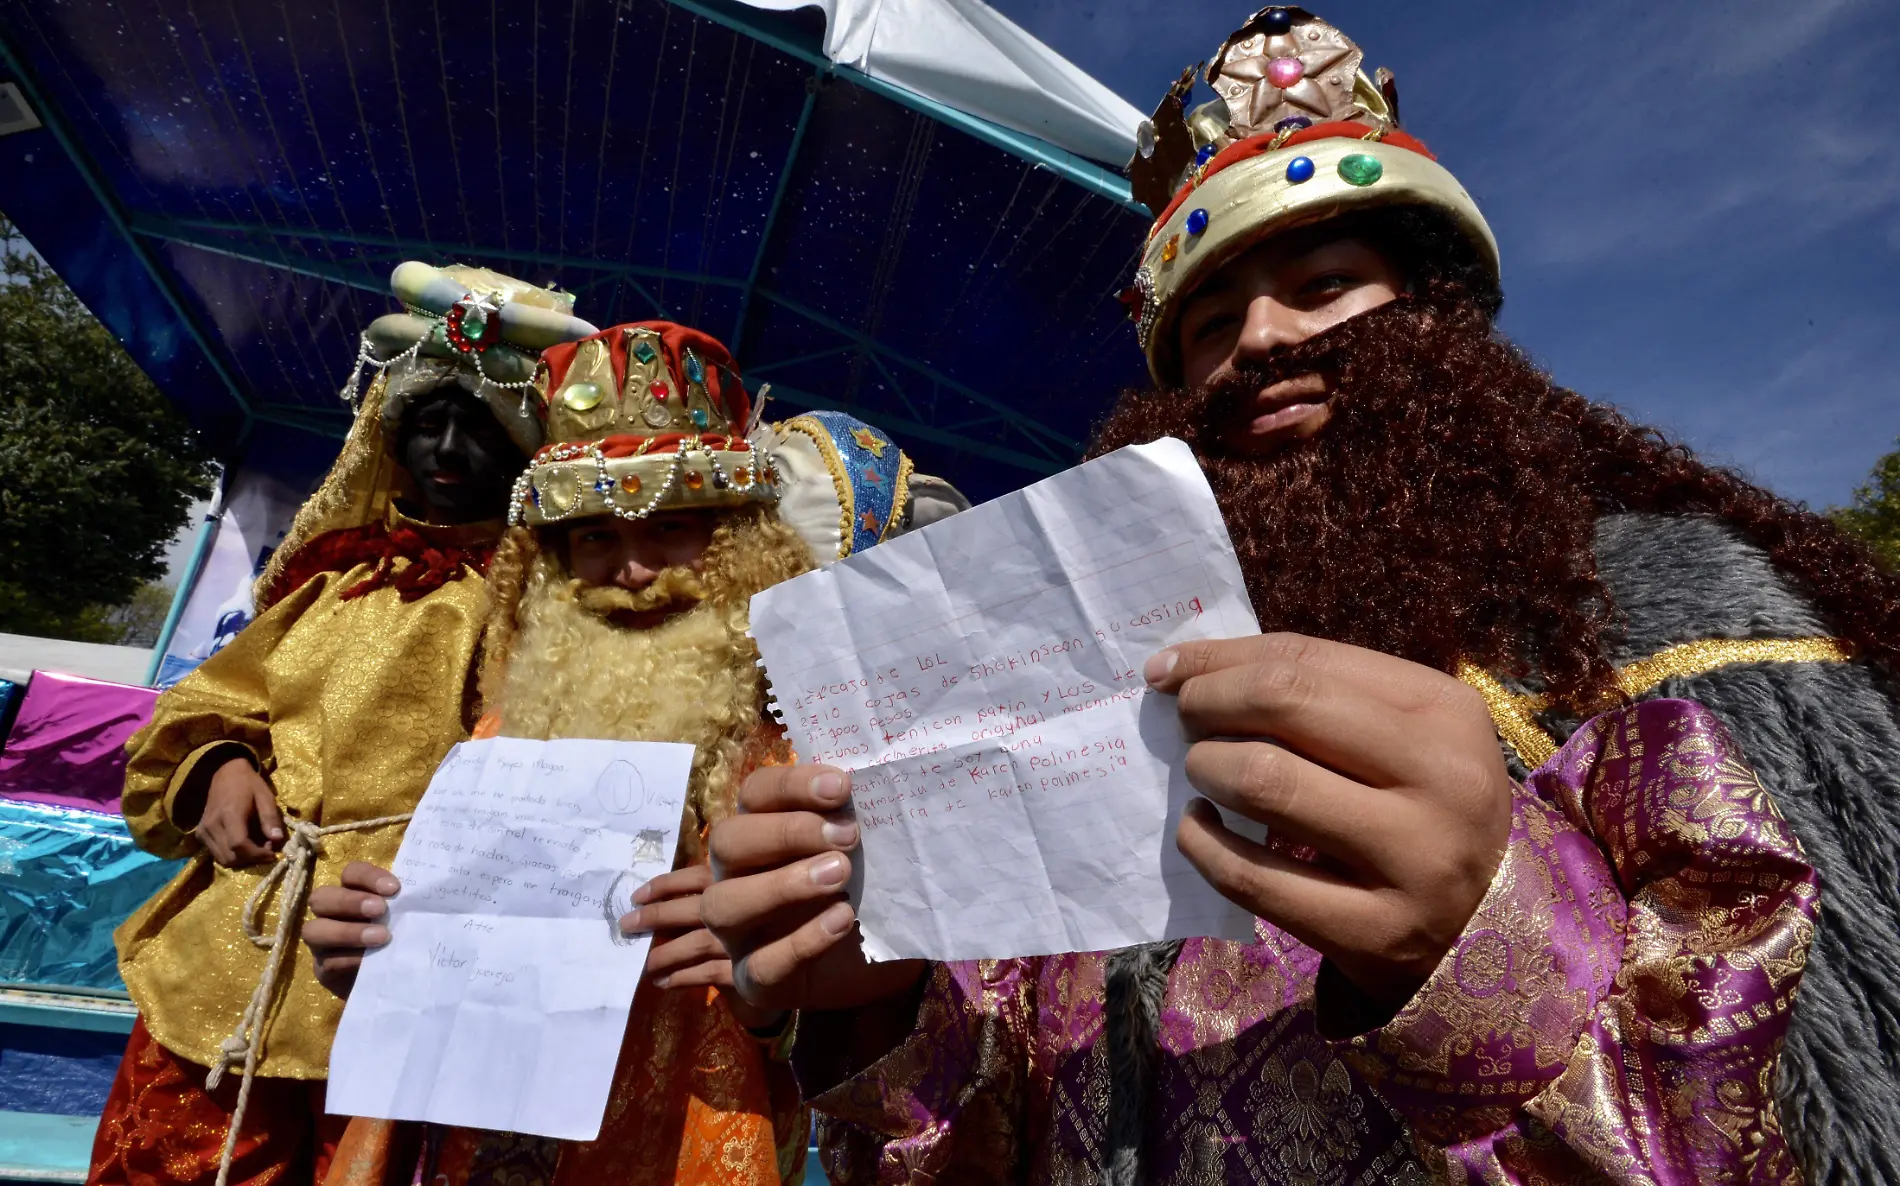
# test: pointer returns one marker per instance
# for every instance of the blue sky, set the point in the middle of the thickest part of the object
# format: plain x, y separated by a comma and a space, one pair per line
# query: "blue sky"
1698, 202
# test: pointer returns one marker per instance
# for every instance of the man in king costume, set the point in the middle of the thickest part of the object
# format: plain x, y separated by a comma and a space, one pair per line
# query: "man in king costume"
619, 610
300, 746
1573, 960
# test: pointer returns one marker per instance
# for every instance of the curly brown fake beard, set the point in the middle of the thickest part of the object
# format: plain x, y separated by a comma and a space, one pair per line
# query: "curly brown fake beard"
1446, 512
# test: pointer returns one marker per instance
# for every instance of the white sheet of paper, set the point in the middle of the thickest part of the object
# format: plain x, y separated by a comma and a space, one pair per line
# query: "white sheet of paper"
503, 994
1017, 783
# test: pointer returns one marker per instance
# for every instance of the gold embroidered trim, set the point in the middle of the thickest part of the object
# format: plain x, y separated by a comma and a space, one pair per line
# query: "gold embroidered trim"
840, 476
1515, 714
900, 490
1697, 658
1512, 716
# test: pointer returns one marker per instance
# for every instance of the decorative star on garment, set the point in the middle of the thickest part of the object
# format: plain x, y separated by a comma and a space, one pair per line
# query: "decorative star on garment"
869, 520
1307, 71
869, 441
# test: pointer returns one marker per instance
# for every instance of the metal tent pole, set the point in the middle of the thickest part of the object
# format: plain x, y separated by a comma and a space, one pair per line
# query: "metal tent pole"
200, 548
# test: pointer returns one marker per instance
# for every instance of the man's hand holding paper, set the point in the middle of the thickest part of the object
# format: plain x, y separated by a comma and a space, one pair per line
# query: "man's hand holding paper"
503, 1005
1015, 779
1050, 831
1386, 771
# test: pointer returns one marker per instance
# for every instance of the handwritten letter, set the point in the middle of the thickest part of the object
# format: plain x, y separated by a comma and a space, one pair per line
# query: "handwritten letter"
502, 997
1017, 783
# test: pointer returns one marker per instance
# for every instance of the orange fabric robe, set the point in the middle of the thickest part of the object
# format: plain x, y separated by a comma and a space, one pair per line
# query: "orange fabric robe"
161, 1127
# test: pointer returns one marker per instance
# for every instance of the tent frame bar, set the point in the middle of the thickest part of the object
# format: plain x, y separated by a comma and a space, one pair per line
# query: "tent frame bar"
181, 596
1097, 179
51, 119
812, 86
180, 230
258, 245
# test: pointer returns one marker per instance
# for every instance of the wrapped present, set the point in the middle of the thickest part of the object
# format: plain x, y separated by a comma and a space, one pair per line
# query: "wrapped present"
10, 694
67, 746
70, 876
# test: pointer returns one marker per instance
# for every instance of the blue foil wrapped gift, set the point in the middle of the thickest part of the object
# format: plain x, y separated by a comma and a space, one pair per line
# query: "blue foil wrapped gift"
10, 694
68, 878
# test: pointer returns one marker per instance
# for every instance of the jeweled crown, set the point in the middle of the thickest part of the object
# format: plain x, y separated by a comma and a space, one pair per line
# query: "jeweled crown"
1296, 135
642, 417
1283, 70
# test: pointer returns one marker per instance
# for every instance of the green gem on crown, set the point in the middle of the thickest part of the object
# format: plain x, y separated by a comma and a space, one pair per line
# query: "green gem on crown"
1360, 169
644, 351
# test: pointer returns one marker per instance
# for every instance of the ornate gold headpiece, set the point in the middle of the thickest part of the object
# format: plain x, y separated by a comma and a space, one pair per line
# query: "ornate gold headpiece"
649, 416
1298, 134
1283, 70
471, 326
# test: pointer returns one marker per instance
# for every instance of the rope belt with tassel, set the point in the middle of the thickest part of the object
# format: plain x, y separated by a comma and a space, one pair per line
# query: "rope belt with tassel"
293, 872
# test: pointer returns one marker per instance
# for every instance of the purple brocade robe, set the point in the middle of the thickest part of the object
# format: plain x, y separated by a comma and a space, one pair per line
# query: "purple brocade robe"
1613, 1012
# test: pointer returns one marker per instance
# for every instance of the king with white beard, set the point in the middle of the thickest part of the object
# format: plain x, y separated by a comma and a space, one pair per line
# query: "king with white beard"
618, 609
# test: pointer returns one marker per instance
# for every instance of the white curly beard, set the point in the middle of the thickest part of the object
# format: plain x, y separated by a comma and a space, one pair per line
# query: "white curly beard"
694, 678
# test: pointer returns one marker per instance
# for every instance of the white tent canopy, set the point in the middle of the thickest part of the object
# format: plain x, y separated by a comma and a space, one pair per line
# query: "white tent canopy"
964, 54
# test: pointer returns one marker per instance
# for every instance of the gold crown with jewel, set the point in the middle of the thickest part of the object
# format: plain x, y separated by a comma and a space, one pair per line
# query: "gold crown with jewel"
645, 417
1298, 134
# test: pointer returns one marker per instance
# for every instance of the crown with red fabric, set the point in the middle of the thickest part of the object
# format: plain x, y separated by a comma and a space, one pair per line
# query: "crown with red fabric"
644, 417
1298, 134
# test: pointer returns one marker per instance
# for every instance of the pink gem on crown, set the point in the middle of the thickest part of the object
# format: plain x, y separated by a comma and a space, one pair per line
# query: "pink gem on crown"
1284, 72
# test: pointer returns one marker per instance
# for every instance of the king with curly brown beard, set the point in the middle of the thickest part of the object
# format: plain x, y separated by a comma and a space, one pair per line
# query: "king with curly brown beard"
1576, 960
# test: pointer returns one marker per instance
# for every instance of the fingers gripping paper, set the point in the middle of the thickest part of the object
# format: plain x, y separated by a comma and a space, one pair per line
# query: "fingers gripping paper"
1016, 782
502, 997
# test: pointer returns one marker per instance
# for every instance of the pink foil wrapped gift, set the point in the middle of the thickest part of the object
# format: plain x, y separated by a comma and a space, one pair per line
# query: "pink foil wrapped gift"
67, 746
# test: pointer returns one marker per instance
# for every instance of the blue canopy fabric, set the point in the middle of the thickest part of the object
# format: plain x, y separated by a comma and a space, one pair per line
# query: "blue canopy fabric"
228, 184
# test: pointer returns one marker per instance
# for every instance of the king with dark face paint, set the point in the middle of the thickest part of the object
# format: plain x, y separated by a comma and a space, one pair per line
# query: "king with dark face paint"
334, 706
459, 457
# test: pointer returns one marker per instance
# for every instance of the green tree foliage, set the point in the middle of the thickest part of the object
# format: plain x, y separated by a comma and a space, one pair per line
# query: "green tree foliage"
1874, 514
97, 470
